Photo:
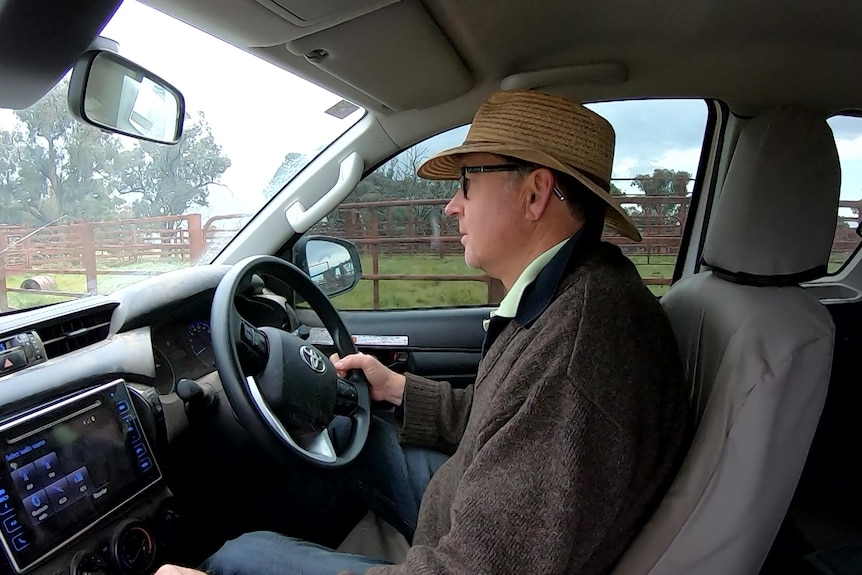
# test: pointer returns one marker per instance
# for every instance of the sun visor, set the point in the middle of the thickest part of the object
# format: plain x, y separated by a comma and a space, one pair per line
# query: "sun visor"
423, 71
323, 12
39, 42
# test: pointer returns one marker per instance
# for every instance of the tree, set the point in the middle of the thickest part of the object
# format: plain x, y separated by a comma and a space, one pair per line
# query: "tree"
53, 166
292, 164
173, 179
663, 182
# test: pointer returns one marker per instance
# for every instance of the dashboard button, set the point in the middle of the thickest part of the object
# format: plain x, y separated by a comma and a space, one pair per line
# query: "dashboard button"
59, 494
38, 505
5, 503
46, 469
79, 482
12, 360
25, 478
145, 463
20, 542
11, 525
132, 432
123, 406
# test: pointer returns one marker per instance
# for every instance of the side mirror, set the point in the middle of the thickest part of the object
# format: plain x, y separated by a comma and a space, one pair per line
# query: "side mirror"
116, 95
331, 263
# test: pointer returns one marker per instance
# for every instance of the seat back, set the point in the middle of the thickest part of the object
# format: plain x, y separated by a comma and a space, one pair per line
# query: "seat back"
757, 349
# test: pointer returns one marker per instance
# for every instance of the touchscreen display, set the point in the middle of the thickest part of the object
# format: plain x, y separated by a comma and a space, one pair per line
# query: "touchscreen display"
66, 467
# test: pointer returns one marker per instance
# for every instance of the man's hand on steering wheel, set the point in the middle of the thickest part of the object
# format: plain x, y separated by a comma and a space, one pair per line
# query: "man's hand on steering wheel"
384, 384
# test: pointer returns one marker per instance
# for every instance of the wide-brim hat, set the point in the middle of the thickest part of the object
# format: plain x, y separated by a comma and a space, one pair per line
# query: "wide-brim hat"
545, 130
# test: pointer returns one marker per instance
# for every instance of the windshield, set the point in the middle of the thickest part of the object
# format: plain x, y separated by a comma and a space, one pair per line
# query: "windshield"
85, 212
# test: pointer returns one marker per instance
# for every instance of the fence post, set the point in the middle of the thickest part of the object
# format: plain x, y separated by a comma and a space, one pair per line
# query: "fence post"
496, 290
4, 300
197, 242
411, 226
88, 256
375, 263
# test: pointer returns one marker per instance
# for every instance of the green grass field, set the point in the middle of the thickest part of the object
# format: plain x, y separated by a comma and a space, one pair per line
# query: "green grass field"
404, 294
78, 282
393, 294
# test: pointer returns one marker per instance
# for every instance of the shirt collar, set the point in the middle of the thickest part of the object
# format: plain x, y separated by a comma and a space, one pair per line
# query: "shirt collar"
534, 289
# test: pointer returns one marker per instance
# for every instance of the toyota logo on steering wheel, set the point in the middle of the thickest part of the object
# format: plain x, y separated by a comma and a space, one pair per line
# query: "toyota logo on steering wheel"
312, 358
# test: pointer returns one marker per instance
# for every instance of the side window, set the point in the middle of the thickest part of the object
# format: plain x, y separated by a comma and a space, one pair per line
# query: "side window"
411, 254
848, 138
658, 149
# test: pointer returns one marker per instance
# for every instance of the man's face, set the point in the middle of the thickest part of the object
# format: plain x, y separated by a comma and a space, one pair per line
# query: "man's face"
491, 217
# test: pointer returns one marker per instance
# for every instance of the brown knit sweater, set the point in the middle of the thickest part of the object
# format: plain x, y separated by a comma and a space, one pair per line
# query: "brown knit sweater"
564, 443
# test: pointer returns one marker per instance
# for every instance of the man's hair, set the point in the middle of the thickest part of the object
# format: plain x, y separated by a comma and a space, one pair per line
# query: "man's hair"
583, 204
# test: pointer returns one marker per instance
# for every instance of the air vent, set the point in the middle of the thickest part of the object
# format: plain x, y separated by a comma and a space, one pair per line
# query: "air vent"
73, 333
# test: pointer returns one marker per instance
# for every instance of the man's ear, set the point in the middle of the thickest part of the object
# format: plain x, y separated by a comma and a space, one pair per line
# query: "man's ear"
540, 186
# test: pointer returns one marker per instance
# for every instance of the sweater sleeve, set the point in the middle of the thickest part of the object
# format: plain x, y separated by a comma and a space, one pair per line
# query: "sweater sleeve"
435, 414
542, 493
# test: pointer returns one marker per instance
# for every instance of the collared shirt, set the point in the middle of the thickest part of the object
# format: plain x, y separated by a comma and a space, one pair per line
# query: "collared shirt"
533, 291
509, 304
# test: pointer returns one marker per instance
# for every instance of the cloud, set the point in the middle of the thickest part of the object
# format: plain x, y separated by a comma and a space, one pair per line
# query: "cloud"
652, 128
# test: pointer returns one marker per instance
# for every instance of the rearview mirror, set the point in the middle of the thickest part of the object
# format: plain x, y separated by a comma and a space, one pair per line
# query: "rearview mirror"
116, 95
331, 263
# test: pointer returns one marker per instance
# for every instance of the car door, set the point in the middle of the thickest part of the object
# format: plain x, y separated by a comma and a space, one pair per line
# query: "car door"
419, 308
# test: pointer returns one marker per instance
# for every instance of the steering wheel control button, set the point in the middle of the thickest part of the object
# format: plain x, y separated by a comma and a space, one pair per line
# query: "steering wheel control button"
346, 398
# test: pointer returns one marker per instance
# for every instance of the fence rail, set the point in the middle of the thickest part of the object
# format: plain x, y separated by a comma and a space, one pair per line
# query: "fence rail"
380, 229
94, 250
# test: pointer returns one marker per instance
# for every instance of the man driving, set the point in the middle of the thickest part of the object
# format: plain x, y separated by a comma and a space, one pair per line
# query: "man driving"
577, 419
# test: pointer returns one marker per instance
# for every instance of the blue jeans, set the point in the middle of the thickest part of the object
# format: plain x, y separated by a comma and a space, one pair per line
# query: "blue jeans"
388, 478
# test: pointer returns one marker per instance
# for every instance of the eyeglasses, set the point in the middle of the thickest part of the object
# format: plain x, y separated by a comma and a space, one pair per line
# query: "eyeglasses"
480, 169
497, 168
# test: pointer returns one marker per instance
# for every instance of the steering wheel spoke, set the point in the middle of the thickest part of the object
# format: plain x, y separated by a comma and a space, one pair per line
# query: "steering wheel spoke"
252, 347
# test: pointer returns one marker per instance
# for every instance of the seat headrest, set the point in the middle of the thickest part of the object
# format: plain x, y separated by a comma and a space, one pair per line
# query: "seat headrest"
775, 219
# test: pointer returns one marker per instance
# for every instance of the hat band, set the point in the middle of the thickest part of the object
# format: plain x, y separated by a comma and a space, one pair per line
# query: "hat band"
596, 179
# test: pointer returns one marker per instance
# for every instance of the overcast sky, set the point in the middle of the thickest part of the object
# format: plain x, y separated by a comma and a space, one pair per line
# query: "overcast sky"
259, 113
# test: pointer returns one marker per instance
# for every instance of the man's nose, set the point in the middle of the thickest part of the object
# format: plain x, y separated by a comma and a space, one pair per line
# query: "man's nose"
453, 208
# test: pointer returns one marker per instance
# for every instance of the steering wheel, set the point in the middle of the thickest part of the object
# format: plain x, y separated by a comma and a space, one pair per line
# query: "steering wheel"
283, 390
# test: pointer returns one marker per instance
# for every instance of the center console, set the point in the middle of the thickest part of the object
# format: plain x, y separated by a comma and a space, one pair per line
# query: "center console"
66, 468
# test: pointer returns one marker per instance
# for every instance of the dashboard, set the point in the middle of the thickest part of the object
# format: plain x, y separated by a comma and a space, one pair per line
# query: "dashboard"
88, 404
182, 347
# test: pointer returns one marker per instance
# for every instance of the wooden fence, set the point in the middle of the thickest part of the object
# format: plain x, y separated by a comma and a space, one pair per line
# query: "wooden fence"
379, 229
94, 250
411, 227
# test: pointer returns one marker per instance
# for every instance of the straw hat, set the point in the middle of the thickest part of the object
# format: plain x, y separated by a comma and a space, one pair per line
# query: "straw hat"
546, 130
